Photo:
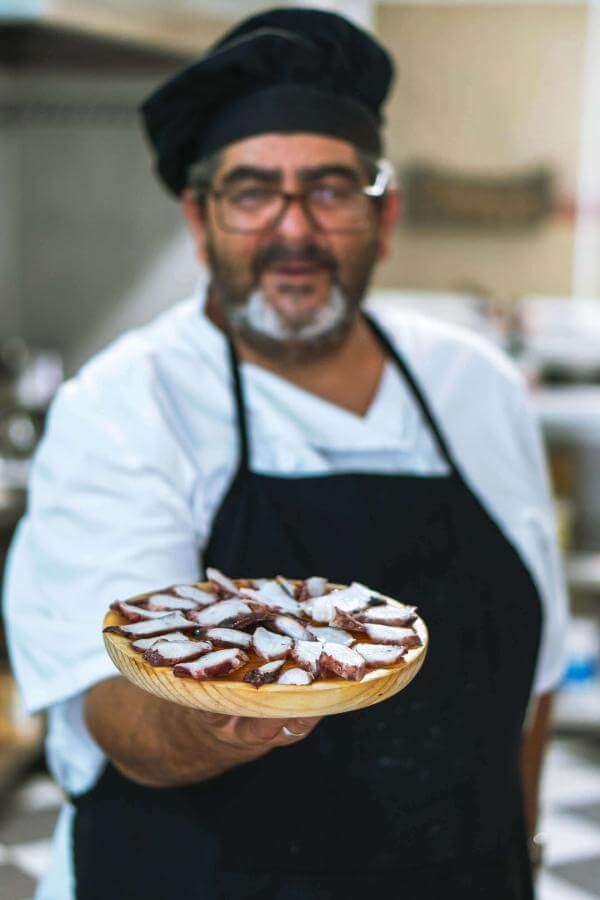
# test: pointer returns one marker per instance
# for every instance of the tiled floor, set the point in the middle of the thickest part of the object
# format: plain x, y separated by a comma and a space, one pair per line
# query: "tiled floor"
571, 821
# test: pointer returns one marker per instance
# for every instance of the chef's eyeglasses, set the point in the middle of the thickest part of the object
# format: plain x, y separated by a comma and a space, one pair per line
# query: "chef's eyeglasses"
328, 206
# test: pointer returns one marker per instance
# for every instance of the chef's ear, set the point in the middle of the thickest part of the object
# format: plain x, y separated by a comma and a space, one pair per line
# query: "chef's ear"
194, 214
389, 214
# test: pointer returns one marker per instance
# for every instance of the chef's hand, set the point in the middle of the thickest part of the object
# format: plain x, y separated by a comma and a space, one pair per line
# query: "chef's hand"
161, 744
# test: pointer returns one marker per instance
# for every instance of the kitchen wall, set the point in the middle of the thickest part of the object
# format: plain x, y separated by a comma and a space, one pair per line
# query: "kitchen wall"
10, 215
486, 89
102, 247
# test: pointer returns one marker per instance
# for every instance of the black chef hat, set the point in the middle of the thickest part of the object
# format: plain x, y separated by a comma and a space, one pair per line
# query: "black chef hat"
286, 70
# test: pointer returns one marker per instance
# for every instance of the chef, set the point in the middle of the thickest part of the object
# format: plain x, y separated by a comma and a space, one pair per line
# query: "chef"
281, 423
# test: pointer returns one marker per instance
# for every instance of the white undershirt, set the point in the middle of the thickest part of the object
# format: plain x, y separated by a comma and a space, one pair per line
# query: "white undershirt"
141, 447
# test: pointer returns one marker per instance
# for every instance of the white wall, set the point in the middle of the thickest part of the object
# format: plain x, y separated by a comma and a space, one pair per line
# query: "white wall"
486, 89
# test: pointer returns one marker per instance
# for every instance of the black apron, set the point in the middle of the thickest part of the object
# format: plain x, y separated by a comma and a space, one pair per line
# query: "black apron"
419, 793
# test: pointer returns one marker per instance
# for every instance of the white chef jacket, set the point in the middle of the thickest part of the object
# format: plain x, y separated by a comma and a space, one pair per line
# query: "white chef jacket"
141, 447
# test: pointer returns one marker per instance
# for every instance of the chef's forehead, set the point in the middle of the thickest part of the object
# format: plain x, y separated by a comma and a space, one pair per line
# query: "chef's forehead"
287, 153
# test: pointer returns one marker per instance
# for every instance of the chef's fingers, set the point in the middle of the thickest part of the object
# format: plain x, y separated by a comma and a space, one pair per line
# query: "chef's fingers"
294, 730
217, 720
260, 731
270, 732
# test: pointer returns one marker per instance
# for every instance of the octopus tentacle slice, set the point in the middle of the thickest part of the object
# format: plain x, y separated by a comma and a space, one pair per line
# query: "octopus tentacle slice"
145, 643
334, 635
219, 612
212, 665
153, 627
388, 614
269, 645
169, 603
295, 676
388, 634
169, 653
221, 582
191, 592
244, 621
287, 586
342, 661
321, 609
376, 655
264, 674
133, 612
347, 600
306, 655
270, 595
228, 637
343, 619
316, 585
312, 587
291, 627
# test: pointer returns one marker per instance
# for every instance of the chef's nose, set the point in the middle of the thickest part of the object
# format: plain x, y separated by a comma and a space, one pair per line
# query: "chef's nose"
294, 222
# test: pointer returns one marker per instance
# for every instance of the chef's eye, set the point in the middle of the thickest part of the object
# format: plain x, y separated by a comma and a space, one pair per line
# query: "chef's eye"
327, 195
251, 198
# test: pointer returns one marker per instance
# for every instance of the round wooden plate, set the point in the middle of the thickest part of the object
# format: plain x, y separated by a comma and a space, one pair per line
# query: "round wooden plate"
234, 697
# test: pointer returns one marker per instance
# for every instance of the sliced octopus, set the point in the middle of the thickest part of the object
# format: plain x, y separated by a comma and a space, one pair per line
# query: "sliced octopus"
144, 643
269, 645
311, 587
343, 620
133, 612
169, 653
247, 621
342, 661
291, 627
272, 596
388, 634
169, 603
388, 614
264, 674
153, 627
221, 583
306, 655
228, 637
349, 600
268, 618
334, 635
190, 592
295, 676
219, 612
380, 654
212, 665
287, 586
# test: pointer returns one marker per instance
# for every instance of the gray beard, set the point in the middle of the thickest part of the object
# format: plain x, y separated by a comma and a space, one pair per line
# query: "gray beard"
261, 327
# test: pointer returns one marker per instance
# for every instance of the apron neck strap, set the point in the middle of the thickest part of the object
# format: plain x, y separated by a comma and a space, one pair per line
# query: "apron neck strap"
414, 388
240, 406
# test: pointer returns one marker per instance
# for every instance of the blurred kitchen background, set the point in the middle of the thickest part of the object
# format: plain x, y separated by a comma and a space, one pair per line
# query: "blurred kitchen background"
494, 128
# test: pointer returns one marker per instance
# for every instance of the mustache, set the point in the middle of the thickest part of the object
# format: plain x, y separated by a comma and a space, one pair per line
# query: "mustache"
307, 253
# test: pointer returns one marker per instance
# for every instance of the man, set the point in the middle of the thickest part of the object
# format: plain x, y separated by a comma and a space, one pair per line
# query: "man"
275, 428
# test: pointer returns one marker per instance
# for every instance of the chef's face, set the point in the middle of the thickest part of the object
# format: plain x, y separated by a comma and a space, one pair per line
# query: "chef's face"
290, 286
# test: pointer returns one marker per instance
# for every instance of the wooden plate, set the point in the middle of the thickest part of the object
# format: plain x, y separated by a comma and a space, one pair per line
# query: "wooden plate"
234, 697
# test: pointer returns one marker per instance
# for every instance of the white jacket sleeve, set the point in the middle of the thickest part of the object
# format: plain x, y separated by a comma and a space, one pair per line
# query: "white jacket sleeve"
104, 521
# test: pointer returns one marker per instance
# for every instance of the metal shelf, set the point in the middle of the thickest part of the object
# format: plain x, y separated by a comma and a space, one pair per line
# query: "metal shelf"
583, 572
569, 412
577, 708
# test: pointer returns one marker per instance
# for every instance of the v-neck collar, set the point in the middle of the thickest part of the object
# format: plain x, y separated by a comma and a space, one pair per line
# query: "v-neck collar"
390, 423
